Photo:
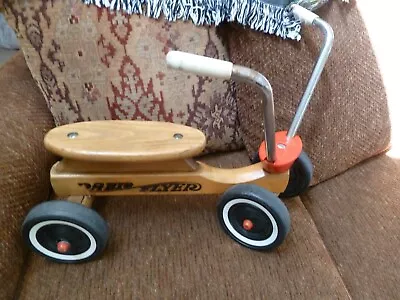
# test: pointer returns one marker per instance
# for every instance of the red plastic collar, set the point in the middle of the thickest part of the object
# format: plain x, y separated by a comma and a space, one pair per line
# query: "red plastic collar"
286, 153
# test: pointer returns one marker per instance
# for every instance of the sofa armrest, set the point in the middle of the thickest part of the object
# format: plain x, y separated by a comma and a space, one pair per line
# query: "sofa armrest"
24, 163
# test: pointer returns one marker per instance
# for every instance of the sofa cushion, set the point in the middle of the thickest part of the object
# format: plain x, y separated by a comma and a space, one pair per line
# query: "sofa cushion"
357, 215
24, 164
347, 120
173, 248
92, 63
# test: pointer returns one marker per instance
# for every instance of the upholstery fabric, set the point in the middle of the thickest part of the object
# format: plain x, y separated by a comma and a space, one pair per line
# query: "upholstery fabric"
93, 63
347, 120
24, 164
357, 215
174, 248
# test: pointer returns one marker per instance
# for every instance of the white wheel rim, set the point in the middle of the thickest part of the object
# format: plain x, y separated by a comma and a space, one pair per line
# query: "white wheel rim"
239, 236
56, 255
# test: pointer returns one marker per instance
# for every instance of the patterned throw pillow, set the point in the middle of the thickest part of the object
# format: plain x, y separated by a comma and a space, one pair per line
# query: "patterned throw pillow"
92, 63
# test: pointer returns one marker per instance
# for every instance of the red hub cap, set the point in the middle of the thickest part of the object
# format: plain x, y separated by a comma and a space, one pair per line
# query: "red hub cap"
248, 225
63, 246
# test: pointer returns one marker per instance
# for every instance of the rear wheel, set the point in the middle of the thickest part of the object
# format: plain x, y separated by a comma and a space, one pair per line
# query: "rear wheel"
65, 232
253, 217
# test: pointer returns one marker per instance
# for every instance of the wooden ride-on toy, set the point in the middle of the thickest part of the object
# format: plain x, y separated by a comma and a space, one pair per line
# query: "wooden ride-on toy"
104, 158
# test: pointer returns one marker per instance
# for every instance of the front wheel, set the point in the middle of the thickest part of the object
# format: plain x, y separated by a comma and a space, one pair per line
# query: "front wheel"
300, 176
65, 232
253, 217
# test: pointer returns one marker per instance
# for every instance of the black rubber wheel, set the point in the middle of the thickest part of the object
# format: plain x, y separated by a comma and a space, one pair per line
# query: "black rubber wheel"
300, 177
65, 232
255, 158
253, 217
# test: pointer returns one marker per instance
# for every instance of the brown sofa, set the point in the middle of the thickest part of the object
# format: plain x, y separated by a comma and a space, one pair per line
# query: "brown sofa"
343, 243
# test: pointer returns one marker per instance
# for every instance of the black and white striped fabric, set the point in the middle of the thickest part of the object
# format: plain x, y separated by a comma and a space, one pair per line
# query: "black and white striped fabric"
269, 16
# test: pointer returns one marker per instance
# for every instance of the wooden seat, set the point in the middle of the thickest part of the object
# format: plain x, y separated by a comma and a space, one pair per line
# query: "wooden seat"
125, 141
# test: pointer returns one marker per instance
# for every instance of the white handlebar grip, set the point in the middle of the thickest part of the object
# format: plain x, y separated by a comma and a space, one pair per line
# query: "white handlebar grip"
306, 16
200, 65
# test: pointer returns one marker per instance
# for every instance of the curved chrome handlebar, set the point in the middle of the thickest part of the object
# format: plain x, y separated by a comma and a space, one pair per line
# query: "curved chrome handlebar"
212, 67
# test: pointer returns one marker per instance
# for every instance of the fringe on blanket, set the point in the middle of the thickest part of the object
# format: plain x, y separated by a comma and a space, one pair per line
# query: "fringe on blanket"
256, 14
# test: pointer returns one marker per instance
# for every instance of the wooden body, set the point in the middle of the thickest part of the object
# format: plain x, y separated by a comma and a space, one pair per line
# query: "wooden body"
75, 166
102, 158
200, 179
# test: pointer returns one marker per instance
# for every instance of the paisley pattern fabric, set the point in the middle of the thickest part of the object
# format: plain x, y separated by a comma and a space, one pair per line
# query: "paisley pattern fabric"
93, 63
